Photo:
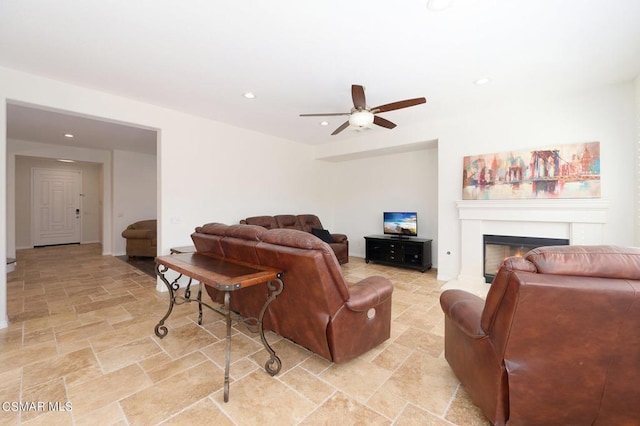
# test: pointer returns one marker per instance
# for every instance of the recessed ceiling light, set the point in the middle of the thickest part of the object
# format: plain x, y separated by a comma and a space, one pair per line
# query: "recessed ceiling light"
249, 95
482, 81
438, 5
324, 123
68, 135
62, 160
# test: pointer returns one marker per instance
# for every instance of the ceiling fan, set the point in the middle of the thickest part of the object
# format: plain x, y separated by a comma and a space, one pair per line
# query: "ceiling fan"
363, 116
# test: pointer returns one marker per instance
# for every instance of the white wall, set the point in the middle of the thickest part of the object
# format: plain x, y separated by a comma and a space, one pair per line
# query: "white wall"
603, 114
207, 171
362, 189
134, 193
637, 157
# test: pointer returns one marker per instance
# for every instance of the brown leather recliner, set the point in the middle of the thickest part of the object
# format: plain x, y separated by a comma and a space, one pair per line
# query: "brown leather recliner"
557, 341
317, 308
303, 222
142, 238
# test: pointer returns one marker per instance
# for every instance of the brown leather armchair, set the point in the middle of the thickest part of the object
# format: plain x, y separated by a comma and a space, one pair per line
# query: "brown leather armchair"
557, 341
142, 238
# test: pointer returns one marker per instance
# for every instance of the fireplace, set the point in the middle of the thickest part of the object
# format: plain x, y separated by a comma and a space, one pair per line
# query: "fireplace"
495, 248
581, 221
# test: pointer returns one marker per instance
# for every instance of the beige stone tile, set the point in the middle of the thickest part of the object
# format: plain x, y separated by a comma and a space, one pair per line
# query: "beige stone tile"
309, 385
357, 378
341, 410
188, 338
54, 320
82, 332
259, 399
10, 339
160, 367
53, 417
241, 346
424, 341
159, 402
44, 393
111, 314
242, 367
58, 366
95, 393
413, 415
38, 336
315, 364
289, 353
128, 353
10, 386
463, 412
101, 304
424, 381
194, 415
25, 356
387, 404
417, 316
392, 356
108, 415
120, 335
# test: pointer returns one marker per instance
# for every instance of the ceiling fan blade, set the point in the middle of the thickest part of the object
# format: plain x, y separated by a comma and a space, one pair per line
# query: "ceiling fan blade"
341, 128
328, 114
357, 94
397, 105
383, 122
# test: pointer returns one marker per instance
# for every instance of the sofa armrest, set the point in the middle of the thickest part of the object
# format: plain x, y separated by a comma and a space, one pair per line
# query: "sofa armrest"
369, 293
139, 234
339, 238
465, 310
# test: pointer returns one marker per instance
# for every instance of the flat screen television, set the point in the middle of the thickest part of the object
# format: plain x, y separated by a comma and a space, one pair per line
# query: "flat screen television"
400, 223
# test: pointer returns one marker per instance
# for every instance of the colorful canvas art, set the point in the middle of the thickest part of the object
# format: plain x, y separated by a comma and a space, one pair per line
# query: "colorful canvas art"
565, 171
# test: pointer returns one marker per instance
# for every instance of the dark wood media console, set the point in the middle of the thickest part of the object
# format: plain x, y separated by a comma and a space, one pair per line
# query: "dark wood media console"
410, 252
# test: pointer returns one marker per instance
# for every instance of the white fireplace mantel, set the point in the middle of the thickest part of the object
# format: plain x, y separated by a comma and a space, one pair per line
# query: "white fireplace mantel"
581, 221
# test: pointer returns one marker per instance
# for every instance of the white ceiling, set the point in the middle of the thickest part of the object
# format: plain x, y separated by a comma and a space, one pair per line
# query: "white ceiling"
200, 56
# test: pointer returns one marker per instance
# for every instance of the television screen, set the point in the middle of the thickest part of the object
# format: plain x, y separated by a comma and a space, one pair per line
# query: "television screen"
400, 223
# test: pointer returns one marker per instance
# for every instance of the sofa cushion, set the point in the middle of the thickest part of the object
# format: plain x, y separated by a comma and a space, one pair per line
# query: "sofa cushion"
288, 221
587, 261
268, 222
323, 234
309, 221
245, 232
293, 238
213, 228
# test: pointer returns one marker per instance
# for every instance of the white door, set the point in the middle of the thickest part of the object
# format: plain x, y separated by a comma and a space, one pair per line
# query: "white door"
55, 206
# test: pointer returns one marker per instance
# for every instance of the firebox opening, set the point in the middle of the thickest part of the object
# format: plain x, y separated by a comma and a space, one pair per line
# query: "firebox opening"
498, 247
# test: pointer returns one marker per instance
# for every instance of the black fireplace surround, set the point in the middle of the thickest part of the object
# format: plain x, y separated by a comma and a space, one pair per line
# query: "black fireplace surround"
495, 248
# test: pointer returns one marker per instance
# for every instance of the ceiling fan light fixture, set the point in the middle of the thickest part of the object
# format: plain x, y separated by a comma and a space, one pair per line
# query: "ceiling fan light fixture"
361, 118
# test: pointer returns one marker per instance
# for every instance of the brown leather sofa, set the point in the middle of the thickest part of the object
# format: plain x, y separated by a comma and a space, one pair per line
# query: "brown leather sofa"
557, 341
317, 308
142, 238
307, 223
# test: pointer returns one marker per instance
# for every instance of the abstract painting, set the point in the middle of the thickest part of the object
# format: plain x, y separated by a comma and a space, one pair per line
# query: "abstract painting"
564, 171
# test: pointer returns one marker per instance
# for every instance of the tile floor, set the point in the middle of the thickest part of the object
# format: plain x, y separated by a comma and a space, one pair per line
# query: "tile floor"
81, 339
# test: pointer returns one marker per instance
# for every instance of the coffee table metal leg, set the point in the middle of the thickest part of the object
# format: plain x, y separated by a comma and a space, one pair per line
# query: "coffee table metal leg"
160, 329
275, 288
227, 306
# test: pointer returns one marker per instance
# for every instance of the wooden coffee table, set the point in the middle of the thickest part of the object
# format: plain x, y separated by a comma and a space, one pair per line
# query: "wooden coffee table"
223, 275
